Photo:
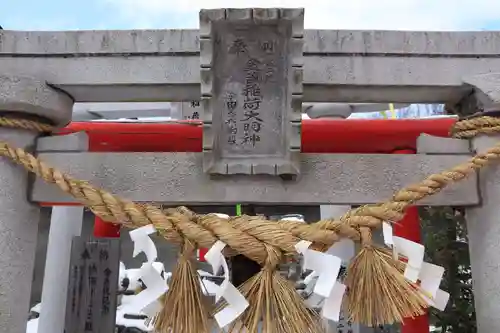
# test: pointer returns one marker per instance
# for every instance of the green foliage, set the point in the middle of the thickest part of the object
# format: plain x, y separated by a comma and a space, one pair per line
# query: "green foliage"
445, 236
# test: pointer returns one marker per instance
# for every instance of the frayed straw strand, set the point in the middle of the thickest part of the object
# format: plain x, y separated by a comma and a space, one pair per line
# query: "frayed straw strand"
276, 306
375, 284
184, 308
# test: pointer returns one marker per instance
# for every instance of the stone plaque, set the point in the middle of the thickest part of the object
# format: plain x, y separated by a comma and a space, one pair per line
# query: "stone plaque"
92, 286
251, 73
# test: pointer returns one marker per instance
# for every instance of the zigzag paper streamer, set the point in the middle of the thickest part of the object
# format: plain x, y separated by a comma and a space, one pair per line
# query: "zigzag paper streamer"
429, 275
326, 267
236, 302
147, 300
411, 250
143, 243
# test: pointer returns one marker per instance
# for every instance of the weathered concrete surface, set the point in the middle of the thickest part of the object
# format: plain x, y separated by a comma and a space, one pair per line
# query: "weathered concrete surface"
339, 66
78, 141
483, 226
186, 42
177, 178
430, 144
19, 218
486, 90
92, 111
18, 234
32, 95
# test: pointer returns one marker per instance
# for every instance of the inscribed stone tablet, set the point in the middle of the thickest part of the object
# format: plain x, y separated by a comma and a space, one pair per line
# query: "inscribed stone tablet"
92, 287
250, 63
249, 87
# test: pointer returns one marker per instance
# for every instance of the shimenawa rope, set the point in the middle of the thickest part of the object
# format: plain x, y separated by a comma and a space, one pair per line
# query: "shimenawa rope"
374, 276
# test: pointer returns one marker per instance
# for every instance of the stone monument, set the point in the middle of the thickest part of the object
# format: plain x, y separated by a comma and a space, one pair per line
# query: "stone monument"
251, 72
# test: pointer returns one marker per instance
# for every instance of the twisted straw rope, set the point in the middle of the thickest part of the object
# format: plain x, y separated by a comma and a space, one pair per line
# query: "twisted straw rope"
470, 128
255, 237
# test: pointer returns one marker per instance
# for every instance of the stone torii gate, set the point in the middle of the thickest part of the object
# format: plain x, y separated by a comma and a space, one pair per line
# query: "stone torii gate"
251, 69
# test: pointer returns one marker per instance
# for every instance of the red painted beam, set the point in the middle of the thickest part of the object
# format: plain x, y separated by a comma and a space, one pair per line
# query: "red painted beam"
318, 136
356, 136
409, 228
105, 229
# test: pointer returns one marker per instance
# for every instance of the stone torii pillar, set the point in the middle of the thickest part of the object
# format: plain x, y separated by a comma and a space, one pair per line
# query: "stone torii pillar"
483, 226
21, 97
483, 222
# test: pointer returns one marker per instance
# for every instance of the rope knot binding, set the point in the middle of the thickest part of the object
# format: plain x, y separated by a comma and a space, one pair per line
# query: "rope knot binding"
377, 291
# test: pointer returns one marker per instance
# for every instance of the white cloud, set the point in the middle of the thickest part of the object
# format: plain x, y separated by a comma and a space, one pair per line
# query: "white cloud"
328, 14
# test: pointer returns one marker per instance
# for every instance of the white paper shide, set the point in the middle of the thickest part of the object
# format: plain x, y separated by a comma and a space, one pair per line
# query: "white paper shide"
236, 302
429, 275
326, 267
147, 300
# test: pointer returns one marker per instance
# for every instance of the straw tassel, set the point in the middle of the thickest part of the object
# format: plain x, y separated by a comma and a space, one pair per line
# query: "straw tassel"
375, 284
275, 305
184, 308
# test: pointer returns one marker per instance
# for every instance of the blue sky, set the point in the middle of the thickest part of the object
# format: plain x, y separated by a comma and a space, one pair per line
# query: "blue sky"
324, 14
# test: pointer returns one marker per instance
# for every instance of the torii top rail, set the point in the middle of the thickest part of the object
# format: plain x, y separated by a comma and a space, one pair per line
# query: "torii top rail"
232, 64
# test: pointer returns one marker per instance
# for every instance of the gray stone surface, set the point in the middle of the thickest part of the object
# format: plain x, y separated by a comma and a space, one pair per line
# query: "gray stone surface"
92, 111
185, 42
18, 235
482, 221
251, 90
483, 232
164, 65
177, 178
19, 219
78, 141
487, 89
430, 144
24, 94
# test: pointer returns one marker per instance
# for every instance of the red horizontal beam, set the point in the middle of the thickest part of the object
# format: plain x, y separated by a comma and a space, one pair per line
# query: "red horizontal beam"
318, 136
362, 136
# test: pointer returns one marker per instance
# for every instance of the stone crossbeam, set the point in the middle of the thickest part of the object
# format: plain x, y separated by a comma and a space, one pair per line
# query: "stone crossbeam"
339, 66
177, 178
